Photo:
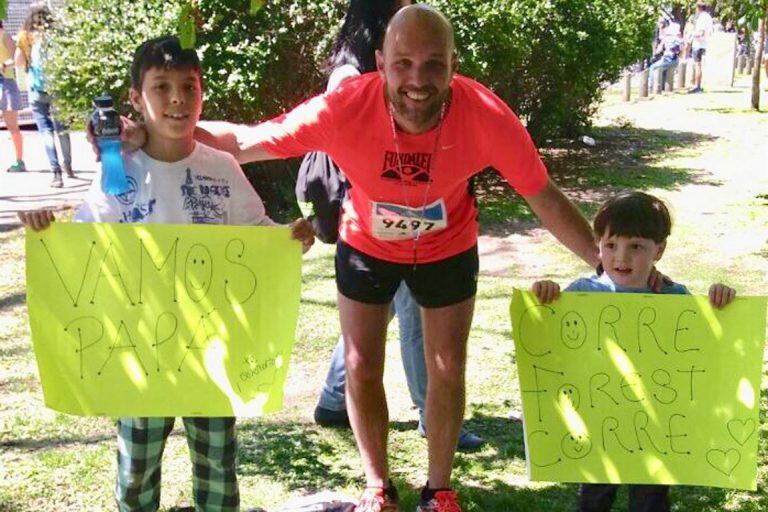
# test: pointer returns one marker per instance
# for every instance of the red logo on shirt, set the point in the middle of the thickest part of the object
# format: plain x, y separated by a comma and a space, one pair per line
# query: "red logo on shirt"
408, 168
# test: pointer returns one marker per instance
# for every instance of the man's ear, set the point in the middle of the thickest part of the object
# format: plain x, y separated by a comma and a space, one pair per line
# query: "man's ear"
454, 61
380, 62
660, 251
135, 97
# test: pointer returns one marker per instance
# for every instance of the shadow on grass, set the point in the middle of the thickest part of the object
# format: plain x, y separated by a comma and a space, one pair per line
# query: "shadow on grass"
28, 444
729, 110
12, 300
302, 458
624, 158
292, 453
11, 226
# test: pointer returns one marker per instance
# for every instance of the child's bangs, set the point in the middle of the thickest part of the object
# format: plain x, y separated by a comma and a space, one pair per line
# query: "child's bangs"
631, 224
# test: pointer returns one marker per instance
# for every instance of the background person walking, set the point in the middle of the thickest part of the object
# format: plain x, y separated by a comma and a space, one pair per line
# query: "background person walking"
30, 55
10, 98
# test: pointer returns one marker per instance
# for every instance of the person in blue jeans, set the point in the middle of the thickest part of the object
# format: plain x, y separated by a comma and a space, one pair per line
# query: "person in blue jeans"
669, 47
30, 54
631, 230
353, 53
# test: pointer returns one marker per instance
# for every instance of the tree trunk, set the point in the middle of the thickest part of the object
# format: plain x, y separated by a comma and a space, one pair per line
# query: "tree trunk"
758, 68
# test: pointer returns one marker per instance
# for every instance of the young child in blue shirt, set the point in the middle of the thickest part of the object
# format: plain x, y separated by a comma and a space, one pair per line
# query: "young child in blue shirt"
631, 231
175, 180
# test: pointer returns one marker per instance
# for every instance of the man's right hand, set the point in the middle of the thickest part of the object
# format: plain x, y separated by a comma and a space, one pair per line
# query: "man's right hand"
133, 136
37, 220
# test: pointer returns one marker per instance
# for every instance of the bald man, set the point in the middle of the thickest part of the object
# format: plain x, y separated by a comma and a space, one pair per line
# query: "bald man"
409, 138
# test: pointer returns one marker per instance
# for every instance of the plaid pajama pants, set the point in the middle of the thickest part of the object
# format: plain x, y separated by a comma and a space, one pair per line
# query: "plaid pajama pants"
212, 447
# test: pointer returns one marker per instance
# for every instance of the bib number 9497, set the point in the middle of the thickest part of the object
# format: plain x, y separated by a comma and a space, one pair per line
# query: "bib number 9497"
396, 222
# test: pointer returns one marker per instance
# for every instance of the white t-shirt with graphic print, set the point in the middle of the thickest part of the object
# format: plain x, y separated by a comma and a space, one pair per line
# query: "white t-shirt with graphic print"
207, 187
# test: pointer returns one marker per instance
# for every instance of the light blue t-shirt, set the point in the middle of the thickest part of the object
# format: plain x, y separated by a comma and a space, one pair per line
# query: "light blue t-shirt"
603, 283
36, 64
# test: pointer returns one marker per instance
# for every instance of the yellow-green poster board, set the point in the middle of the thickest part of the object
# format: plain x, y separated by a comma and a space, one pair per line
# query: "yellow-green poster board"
636, 388
157, 320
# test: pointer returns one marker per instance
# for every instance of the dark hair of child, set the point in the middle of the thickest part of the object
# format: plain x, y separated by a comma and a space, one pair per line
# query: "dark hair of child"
634, 214
162, 52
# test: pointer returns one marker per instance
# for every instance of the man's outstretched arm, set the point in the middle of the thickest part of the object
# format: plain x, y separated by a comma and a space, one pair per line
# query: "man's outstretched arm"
240, 140
561, 218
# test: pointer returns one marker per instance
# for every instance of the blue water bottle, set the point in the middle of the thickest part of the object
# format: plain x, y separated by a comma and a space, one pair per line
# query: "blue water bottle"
106, 127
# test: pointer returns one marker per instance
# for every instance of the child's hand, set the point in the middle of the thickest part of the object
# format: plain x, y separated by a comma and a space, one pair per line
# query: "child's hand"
657, 280
133, 135
38, 220
302, 230
721, 295
546, 291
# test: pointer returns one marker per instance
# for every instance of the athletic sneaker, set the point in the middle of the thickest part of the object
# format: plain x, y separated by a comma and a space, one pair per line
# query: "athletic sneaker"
438, 501
330, 418
68, 169
57, 182
695, 90
467, 440
379, 499
17, 167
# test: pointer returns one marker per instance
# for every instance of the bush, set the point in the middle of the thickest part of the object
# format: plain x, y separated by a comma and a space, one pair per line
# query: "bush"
548, 59
254, 66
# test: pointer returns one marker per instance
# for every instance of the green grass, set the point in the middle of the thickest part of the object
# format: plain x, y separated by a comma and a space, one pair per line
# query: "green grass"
709, 171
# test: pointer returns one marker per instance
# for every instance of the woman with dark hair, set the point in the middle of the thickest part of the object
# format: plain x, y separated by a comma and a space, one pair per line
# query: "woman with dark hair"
30, 55
353, 53
10, 98
362, 33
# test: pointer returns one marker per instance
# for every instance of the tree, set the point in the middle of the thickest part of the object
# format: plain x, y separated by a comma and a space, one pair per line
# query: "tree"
549, 60
752, 14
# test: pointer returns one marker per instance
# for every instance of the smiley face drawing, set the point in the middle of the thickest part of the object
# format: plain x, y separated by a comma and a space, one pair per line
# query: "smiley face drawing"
568, 397
576, 446
573, 330
198, 272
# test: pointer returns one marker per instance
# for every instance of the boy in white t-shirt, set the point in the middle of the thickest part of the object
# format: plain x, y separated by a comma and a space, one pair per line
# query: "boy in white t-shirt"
175, 180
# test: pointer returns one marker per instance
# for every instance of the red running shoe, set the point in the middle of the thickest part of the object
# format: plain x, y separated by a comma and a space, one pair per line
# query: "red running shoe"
378, 499
442, 501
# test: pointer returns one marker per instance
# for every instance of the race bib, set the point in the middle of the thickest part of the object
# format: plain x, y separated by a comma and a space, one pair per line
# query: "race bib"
396, 222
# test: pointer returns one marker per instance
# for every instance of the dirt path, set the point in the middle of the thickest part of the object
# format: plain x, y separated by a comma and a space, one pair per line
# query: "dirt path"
724, 203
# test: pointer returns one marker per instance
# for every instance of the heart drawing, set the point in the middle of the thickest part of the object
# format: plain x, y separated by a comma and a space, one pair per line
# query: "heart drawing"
741, 430
724, 461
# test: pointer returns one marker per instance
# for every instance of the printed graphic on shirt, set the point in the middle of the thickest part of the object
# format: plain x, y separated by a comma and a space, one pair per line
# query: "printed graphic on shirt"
133, 211
407, 168
204, 198
396, 222
128, 197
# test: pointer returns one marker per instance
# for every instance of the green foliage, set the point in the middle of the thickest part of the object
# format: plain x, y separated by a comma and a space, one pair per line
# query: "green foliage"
255, 65
547, 59
746, 12
550, 59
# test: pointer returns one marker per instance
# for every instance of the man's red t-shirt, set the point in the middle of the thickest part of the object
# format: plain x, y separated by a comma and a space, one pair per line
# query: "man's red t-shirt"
410, 200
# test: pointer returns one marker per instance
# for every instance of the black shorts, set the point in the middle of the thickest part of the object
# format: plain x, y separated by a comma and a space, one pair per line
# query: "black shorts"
698, 53
434, 285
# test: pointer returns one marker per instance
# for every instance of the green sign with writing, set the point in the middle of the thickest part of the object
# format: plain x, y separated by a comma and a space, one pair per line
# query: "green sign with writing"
636, 388
153, 320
